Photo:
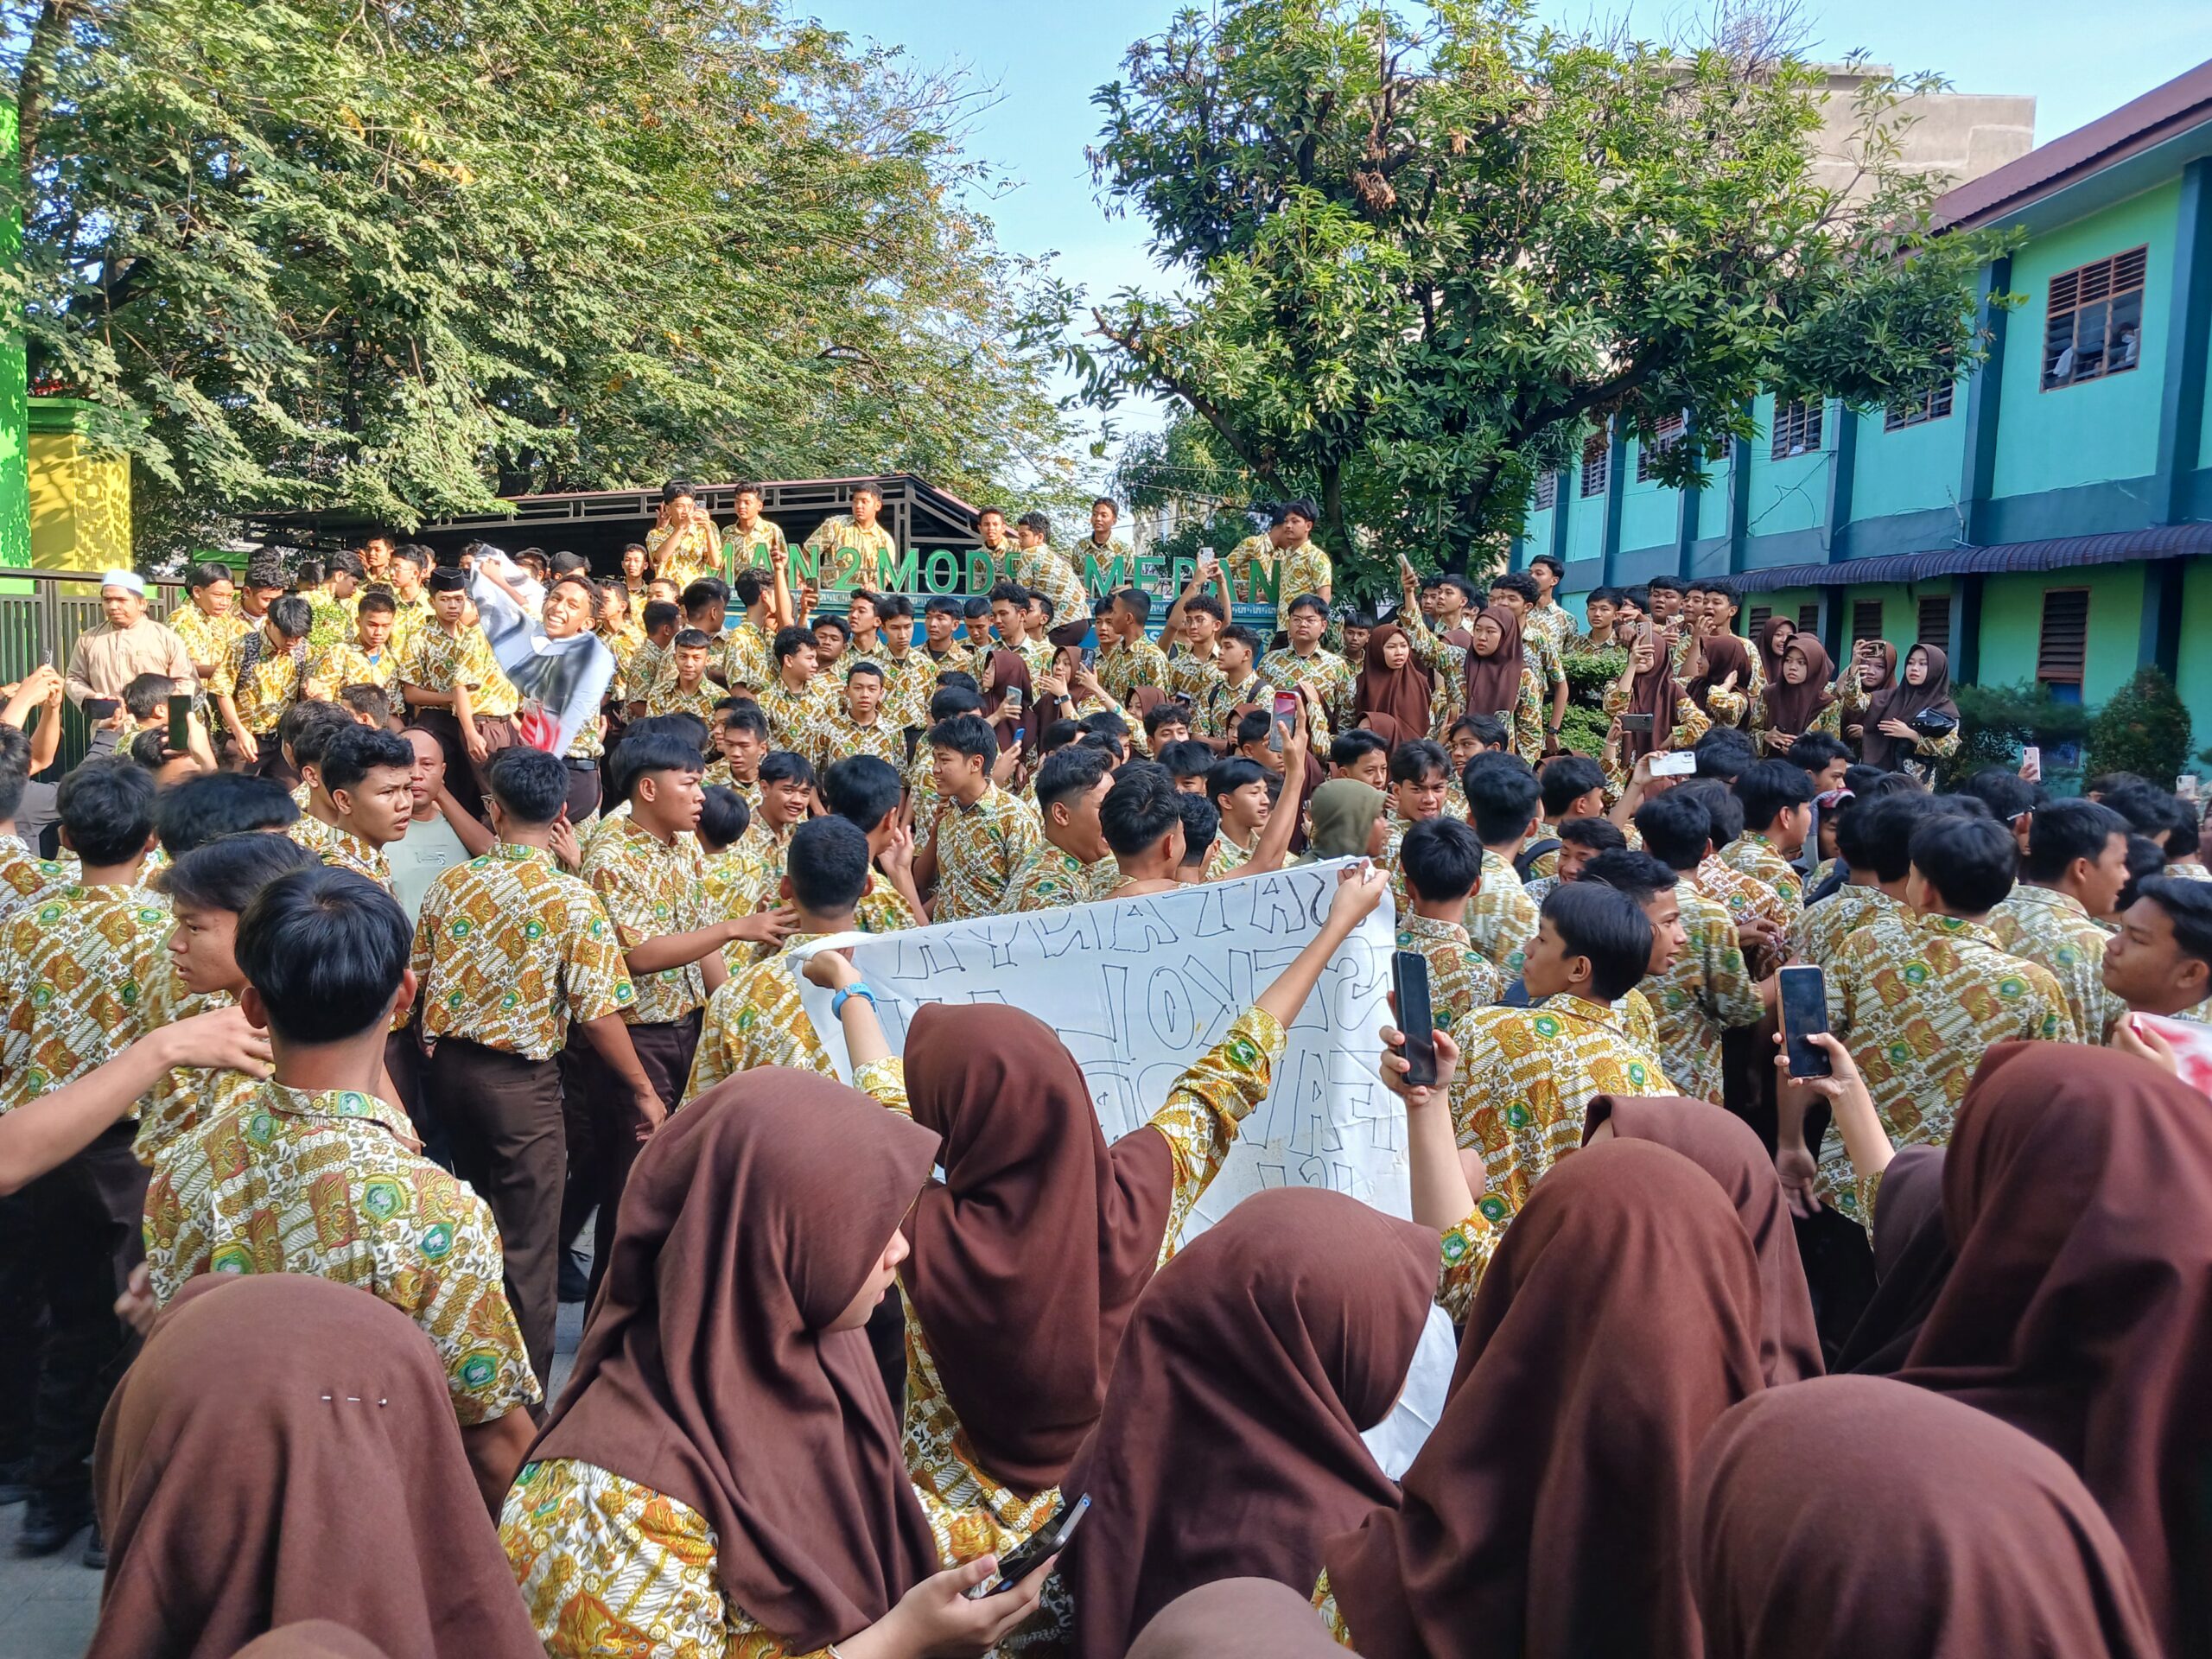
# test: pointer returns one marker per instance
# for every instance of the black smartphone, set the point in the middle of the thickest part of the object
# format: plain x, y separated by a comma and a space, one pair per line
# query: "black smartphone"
180, 723
1409, 983
100, 708
1033, 1552
1635, 723
1804, 998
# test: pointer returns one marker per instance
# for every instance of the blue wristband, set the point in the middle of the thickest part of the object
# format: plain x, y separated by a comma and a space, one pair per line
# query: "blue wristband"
837, 1002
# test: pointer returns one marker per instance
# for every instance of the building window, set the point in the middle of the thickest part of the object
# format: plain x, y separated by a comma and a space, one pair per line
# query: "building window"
1936, 621
1597, 461
1547, 492
1760, 616
1933, 405
2063, 647
1797, 430
2094, 325
1665, 434
1865, 620
1808, 618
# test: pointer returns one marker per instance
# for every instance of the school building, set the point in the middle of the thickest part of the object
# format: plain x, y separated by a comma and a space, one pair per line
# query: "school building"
2045, 516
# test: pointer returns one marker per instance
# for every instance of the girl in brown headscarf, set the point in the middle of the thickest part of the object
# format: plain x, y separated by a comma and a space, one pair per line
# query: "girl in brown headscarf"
1652, 711
1392, 695
1497, 681
1934, 1532
1872, 673
725, 1451
1798, 701
1891, 741
1722, 685
1255, 1362
1774, 637
2077, 1196
284, 1449
1618, 1320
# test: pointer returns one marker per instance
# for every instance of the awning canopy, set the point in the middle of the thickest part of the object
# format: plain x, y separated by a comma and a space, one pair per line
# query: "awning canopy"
2056, 553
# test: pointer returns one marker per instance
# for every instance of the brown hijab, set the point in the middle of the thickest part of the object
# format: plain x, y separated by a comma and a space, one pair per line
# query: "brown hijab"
1493, 682
1725, 1147
1934, 1532
1912, 1258
1237, 1619
709, 1372
1009, 670
1903, 702
1620, 1317
1771, 645
1724, 654
314, 1638
1652, 692
1391, 703
285, 1449
2077, 1195
1789, 707
1029, 1255
1230, 1442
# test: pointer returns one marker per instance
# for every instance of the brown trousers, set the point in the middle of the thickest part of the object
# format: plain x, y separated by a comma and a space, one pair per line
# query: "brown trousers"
502, 1118
602, 1127
464, 777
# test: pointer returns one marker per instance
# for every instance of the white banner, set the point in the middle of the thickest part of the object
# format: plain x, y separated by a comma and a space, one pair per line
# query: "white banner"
1140, 988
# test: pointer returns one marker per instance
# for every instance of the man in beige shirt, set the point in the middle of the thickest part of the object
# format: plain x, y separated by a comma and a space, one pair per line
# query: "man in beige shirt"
129, 643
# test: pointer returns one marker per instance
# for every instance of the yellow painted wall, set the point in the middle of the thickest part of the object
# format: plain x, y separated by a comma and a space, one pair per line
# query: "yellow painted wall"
80, 500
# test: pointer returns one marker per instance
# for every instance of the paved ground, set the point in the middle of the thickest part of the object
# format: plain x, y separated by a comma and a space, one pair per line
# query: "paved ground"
48, 1607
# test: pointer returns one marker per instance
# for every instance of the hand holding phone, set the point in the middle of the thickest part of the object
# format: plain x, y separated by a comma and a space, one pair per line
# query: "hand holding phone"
1286, 713
1033, 1552
1804, 1009
1410, 986
1673, 763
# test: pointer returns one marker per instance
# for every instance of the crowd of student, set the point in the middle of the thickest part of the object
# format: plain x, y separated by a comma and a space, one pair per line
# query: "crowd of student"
356, 992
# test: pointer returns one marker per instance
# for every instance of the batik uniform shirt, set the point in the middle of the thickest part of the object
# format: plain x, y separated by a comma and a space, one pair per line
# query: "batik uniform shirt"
795, 717
756, 547
23, 875
1691, 722
78, 968
757, 1019
1918, 1001
1329, 676
1828, 720
1821, 928
1217, 716
348, 664
1745, 897
1191, 676
409, 617
207, 639
438, 661
1530, 1074
980, 849
1104, 554
332, 621
882, 909
1049, 878
1549, 623
340, 849
2054, 929
613, 1570
650, 891
1042, 570
2190, 871
1305, 569
1447, 666
1199, 1122
748, 660
866, 556
838, 736
1038, 654
330, 1186
1706, 990
671, 697
187, 1097
641, 672
684, 554
509, 949
1121, 668
909, 682
1753, 855
1225, 857
1924, 762
1501, 916
261, 680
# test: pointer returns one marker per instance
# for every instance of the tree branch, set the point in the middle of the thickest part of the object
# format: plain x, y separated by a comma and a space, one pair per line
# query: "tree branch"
1207, 410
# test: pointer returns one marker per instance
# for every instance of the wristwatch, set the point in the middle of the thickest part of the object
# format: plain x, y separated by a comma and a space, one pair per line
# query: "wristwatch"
837, 1002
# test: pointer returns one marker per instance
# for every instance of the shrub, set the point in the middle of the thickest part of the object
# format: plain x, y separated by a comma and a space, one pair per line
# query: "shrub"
1584, 729
1996, 721
2144, 729
1589, 673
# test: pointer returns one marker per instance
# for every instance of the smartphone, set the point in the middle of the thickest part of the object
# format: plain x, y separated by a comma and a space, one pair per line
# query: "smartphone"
1635, 723
1011, 709
1089, 658
1286, 716
2032, 763
1033, 1552
100, 708
1409, 984
1673, 763
180, 723
1804, 1014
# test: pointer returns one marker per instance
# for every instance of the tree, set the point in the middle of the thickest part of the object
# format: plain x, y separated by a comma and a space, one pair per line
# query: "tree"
404, 257
1425, 258
2144, 729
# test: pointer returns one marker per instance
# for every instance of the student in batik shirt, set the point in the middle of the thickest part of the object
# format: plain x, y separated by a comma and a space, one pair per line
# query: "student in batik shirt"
1874, 838
985, 834
361, 802
800, 699
207, 623
1041, 1234
1141, 818
1573, 786
369, 657
862, 725
259, 679
509, 952
450, 676
1193, 631
1706, 989
1071, 864
325, 954
2160, 959
1126, 658
2076, 866
682, 543
750, 541
867, 793
1919, 997
1506, 804
686, 690
1580, 840
854, 549
1777, 798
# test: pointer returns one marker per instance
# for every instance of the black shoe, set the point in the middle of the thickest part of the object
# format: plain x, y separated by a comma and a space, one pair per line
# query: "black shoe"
14, 1481
50, 1522
575, 1283
95, 1555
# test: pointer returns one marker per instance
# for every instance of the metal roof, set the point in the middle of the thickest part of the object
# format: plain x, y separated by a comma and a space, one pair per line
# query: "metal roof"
2119, 547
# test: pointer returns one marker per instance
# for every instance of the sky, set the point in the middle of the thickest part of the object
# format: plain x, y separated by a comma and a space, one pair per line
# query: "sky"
1046, 58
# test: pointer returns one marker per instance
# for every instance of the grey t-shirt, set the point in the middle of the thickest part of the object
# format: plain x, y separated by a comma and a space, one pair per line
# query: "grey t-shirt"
428, 847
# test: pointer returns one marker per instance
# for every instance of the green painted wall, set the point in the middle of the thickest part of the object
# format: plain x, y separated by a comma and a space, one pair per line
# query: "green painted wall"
1788, 495
2012, 624
1912, 469
15, 402
1783, 602
2193, 669
1649, 512
2105, 428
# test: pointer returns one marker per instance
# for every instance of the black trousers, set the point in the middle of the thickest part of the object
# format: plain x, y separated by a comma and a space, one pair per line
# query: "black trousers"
584, 789
83, 1222
602, 1127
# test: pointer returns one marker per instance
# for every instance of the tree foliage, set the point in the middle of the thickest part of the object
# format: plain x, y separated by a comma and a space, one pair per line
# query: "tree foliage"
2144, 728
1424, 251
403, 258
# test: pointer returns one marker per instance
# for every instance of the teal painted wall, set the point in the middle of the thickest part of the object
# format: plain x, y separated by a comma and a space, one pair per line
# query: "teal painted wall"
1585, 517
2104, 428
1912, 469
2193, 671
2011, 623
1536, 537
1649, 512
1789, 494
